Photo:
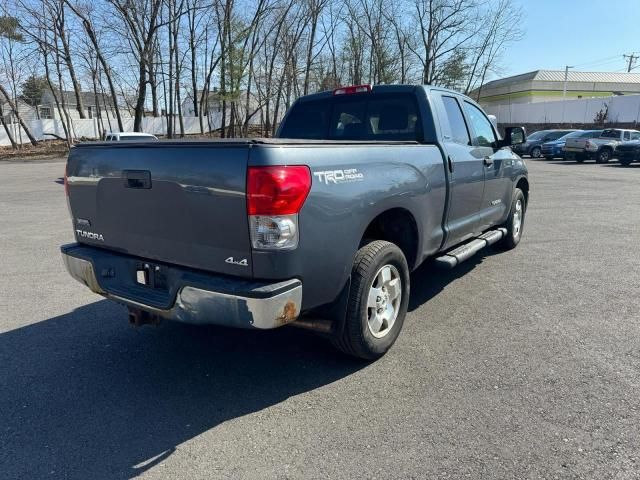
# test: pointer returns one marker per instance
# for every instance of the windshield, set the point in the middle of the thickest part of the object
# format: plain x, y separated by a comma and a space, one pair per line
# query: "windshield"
590, 134
355, 117
537, 135
573, 135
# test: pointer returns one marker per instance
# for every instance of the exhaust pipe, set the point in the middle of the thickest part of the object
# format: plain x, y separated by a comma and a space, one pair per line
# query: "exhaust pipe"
315, 325
137, 318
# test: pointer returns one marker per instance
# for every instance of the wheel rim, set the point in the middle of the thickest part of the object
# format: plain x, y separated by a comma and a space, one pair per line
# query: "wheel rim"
383, 303
604, 156
517, 219
535, 153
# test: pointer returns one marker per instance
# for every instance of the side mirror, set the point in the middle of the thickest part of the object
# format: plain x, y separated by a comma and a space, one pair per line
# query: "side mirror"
513, 136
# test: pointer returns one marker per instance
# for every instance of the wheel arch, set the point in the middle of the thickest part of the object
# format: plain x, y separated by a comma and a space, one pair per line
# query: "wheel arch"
523, 184
397, 225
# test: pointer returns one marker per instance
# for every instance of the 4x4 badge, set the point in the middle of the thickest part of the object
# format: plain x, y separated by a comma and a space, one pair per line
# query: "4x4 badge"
242, 263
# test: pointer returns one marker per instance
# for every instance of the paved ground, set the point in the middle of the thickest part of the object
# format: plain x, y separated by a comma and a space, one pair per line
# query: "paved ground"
518, 365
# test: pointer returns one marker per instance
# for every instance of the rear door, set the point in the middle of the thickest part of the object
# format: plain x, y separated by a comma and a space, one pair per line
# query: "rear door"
466, 170
176, 203
497, 163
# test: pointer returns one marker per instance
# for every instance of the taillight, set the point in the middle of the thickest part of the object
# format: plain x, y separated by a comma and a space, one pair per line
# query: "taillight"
587, 144
275, 195
352, 89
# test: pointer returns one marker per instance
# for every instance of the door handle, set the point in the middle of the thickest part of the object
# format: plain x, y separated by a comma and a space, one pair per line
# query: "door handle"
488, 161
137, 179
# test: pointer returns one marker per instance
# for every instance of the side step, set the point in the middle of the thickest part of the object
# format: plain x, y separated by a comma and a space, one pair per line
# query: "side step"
458, 255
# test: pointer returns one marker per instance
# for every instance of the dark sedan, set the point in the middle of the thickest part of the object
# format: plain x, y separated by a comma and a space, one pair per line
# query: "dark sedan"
533, 145
628, 152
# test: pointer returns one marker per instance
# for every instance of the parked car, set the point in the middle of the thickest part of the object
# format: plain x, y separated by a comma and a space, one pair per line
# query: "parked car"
533, 145
555, 148
628, 152
602, 149
317, 228
129, 137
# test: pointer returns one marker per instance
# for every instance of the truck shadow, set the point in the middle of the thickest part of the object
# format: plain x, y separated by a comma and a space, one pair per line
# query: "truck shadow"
429, 280
85, 396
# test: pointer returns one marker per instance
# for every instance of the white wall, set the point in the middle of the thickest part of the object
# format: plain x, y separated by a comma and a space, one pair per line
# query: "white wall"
89, 128
622, 109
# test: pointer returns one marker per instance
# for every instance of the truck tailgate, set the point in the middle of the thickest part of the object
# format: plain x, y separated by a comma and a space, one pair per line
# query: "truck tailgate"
575, 143
177, 203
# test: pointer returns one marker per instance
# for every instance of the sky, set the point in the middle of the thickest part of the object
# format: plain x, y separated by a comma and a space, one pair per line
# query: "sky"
591, 35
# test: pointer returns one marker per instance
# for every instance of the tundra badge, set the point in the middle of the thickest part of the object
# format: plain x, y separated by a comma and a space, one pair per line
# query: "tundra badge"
90, 235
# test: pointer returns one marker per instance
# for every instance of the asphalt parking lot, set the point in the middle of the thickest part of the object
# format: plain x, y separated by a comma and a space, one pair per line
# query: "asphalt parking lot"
523, 364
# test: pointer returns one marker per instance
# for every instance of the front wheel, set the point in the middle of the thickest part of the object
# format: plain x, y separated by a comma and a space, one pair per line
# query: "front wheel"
536, 152
515, 222
378, 301
603, 156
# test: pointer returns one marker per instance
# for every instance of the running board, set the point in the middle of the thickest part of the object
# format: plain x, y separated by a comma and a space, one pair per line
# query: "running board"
458, 255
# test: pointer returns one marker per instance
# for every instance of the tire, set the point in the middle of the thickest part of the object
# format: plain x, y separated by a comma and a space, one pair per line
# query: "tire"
603, 156
515, 221
536, 152
367, 333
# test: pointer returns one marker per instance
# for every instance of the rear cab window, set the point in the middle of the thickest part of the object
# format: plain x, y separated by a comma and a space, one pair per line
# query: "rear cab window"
611, 133
454, 127
355, 117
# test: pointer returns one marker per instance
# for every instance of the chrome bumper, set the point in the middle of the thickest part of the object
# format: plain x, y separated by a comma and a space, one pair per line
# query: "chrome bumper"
200, 306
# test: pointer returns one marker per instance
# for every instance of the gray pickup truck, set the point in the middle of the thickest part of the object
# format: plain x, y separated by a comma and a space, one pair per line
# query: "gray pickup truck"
317, 228
602, 148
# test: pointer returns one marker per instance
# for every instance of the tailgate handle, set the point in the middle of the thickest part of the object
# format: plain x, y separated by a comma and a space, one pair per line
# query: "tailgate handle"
137, 178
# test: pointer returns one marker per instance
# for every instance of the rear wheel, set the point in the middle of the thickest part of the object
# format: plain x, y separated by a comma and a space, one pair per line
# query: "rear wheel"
515, 222
378, 301
603, 156
536, 152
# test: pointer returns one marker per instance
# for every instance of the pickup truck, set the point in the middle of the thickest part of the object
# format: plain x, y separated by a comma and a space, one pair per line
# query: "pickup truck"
555, 149
602, 149
318, 228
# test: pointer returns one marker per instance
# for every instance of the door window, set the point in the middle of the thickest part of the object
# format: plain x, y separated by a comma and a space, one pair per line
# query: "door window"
482, 129
627, 136
454, 128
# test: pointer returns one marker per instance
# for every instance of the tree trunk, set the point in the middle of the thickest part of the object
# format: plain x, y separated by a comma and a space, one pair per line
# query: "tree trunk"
14, 145
142, 93
67, 60
12, 106
88, 28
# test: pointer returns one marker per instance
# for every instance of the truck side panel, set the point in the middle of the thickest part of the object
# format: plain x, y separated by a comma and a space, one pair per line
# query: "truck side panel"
351, 185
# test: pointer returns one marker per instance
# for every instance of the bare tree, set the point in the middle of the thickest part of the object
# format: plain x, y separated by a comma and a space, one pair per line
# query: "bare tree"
83, 13
140, 19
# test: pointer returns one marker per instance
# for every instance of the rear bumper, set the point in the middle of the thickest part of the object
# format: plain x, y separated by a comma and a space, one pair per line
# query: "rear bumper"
191, 296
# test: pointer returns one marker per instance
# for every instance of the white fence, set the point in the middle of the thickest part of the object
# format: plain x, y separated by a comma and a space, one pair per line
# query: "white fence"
620, 109
90, 128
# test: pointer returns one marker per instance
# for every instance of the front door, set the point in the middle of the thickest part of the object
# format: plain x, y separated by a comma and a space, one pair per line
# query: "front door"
466, 170
498, 164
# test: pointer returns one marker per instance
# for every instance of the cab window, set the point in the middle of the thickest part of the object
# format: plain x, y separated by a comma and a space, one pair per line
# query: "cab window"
481, 126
